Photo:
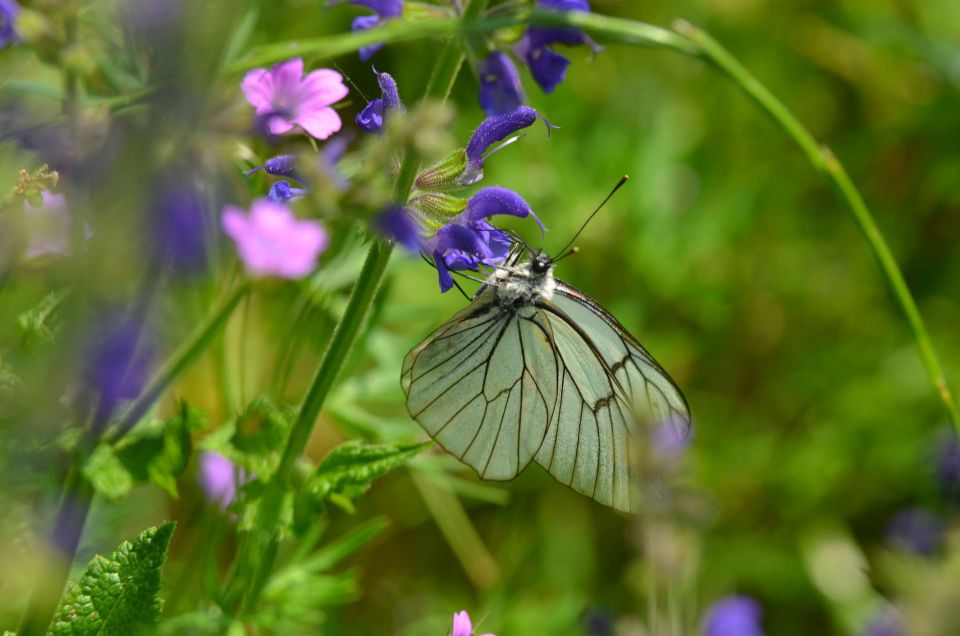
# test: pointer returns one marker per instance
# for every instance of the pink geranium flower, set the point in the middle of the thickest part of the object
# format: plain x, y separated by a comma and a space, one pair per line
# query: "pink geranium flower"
462, 625
286, 98
273, 242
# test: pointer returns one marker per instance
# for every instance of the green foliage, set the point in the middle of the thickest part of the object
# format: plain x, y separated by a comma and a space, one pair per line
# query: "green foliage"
254, 439
117, 595
37, 324
349, 470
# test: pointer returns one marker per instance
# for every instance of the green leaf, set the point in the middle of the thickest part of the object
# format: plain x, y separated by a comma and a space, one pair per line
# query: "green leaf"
117, 595
158, 451
107, 474
349, 469
254, 440
35, 324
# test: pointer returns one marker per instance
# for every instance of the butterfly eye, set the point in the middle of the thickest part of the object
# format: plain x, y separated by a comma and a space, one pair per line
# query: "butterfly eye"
540, 266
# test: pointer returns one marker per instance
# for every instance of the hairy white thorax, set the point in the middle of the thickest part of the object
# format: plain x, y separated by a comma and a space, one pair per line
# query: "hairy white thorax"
520, 286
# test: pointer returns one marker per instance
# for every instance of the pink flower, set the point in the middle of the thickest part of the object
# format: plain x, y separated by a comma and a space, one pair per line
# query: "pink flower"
219, 478
462, 625
286, 98
272, 242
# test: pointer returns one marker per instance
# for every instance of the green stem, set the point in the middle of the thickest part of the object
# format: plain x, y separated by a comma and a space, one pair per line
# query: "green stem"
825, 162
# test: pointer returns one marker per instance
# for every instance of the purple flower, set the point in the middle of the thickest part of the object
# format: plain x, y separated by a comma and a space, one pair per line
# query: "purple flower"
548, 67
179, 221
219, 478
397, 225
285, 98
888, 622
462, 626
373, 115
948, 463
279, 166
48, 227
281, 192
492, 130
669, 441
384, 10
734, 616
500, 89
915, 530
272, 242
117, 366
9, 10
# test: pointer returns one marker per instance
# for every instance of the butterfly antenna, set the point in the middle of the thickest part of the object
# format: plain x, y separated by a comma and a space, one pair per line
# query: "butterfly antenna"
564, 251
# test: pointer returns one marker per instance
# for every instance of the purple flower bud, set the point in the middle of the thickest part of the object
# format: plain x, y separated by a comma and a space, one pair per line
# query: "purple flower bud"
734, 616
496, 200
117, 367
915, 530
9, 10
500, 88
281, 192
397, 225
492, 130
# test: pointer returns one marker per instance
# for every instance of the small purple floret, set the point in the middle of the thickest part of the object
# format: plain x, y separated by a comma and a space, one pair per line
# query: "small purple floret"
915, 530
496, 200
9, 10
397, 225
548, 67
492, 130
218, 477
500, 88
734, 616
372, 118
384, 10
282, 192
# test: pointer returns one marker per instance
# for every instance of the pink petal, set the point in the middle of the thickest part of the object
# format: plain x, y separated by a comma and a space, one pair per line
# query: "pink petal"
322, 87
279, 125
235, 223
257, 87
286, 82
319, 124
461, 624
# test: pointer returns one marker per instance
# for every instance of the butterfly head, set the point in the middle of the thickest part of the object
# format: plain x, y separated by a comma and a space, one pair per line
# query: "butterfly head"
540, 264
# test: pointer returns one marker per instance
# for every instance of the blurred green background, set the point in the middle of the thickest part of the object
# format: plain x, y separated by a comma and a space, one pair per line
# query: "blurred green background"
727, 256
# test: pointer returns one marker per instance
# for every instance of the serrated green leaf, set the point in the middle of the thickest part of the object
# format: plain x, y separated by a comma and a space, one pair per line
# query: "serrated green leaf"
107, 474
117, 595
349, 469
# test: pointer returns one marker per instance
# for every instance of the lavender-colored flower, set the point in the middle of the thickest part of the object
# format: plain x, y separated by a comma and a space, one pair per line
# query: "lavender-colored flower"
180, 224
734, 616
219, 478
9, 11
282, 192
669, 440
888, 622
915, 530
285, 98
400, 227
279, 166
384, 10
548, 67
500, 89
48, 226
272, 242
462, 626
372, 117
117, 366
492, 130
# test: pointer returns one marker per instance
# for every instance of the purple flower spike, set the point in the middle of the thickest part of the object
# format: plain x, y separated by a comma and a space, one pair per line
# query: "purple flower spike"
282, 192
734, 616
492, 130
272, 242
397, 225
9, 10
287, 99
500, 88
371, 119
496, 200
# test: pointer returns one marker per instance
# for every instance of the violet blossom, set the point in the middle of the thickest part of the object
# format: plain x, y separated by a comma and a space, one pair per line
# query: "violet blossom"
272, 242
9, 11
500, 89
219, 478
285, 98
373, 116
734, 616
492, 130
548, 67
282, 192
383, 10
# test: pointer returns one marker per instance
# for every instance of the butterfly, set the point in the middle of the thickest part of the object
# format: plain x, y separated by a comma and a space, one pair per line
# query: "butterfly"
534, 370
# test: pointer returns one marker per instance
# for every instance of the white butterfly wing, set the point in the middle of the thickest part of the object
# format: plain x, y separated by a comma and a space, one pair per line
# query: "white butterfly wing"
562, 383
483, 386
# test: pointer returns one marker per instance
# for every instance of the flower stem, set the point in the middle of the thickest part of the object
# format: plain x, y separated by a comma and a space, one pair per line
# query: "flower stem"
826, 163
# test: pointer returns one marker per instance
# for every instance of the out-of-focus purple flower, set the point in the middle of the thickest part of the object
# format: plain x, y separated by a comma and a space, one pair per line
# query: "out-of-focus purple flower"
282, 192
734, 616
669, 440
384, 10
548, 67
399, 226
462, 626
598, 622
272, 242
219, 478
279, 166
9, 10
372, 117
888, 622
500, 89
948, 463
492, 130
117, 366
180, 224
915, 530
286, 98
48, 227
